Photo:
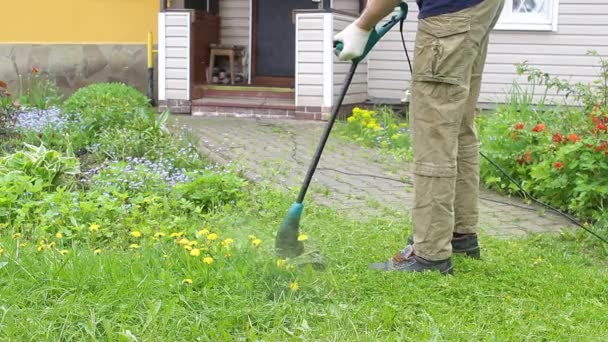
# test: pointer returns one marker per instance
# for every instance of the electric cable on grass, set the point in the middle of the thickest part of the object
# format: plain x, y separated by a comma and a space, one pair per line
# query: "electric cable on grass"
503, 171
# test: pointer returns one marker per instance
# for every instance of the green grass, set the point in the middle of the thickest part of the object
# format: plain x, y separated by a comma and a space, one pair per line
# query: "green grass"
540, 288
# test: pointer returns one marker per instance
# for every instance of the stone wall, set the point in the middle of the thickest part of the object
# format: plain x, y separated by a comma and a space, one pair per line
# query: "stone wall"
73, 66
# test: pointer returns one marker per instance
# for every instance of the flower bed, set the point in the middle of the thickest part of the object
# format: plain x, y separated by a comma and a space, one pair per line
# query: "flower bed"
380, 128
558, 152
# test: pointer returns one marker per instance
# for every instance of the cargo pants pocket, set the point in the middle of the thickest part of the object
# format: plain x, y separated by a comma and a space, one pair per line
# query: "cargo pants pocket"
444, 51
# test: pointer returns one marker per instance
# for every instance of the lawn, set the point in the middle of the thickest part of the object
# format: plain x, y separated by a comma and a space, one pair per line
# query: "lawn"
114, 228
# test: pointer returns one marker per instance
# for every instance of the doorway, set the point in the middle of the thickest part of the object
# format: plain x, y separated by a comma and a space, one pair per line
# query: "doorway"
273, 41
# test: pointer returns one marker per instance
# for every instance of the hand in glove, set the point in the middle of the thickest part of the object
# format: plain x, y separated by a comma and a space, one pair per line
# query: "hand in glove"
353, 39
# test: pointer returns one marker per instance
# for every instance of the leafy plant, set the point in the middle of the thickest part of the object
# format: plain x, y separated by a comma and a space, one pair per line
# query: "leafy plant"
379, 128
38, 91
46, 166
8, 107
211, 189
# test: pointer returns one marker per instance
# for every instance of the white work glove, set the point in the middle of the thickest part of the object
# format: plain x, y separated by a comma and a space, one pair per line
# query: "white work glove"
354, 39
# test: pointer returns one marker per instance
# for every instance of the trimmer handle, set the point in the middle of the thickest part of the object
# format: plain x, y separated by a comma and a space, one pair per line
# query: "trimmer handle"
377, 33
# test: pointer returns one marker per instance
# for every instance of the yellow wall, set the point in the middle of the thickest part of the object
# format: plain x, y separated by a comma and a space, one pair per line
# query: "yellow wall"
78, 21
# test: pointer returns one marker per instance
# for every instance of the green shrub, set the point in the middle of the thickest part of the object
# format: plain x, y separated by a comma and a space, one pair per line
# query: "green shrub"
559, 153
106, 105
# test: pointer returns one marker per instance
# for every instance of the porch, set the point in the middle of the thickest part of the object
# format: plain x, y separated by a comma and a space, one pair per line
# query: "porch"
284, 67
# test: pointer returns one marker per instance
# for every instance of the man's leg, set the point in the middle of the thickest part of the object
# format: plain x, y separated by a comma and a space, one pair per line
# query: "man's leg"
467, 182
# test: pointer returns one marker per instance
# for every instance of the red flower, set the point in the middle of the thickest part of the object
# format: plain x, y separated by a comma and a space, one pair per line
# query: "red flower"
601, 126
558, 165
574, 137
35, 70
602, 147
519, 125
539, 128
558, 137
528, 156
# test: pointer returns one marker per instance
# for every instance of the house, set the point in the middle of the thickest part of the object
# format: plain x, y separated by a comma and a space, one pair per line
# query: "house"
286, 67
77, 42
283, 63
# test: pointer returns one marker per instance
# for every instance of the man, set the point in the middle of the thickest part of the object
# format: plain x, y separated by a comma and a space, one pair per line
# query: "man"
450, 53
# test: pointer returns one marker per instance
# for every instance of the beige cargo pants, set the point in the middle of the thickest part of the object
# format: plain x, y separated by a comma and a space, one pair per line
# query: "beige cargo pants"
449, 60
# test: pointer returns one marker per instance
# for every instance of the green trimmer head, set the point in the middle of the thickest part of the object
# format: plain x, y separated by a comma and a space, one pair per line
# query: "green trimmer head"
288, 245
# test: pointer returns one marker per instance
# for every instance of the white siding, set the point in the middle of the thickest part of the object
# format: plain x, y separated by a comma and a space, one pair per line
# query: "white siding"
357, 92
350, 6
309, 59
582, 26
175, 65
235, 17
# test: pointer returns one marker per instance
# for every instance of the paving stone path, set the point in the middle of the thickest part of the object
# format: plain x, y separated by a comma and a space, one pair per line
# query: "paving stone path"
350, 178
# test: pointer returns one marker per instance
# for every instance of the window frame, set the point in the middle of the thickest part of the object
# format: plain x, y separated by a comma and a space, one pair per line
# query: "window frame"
510, 22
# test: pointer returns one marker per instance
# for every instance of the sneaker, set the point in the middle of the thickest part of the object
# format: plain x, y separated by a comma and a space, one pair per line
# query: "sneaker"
407, 261
463, 244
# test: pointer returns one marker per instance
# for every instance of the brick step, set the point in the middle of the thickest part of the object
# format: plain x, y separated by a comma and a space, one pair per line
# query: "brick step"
213, 91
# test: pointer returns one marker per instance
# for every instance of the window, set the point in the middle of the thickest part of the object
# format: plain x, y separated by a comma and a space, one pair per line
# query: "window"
532, 15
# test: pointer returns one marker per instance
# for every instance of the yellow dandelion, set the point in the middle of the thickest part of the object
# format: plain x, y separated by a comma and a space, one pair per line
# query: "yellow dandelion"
256, 242
203, 232
64, 251
281, 263
2, 251
208, 260
187, 281
52, 245
17, 236
188, 247
134, 246
159, 235
302, 237
227, 242
294, 286
195, 252
252, 237
136, 234
176, 235
40, 248
212, 237
184, 241
94, 227
192, 243
97, 251
59, 235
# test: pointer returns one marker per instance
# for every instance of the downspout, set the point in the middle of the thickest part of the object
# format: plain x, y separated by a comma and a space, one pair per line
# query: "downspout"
163, 5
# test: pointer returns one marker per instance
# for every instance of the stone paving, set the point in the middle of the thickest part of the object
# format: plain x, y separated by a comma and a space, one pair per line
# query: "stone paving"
353, 179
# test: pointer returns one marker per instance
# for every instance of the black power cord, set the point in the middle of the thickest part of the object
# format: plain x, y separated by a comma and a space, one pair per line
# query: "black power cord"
503, 171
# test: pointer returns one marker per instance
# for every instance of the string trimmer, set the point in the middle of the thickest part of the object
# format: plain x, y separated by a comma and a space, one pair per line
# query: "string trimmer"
287, 243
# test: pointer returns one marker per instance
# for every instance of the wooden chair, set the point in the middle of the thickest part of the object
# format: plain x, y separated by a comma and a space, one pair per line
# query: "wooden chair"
233, 52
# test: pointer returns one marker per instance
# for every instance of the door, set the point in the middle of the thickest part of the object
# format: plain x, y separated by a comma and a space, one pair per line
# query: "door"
274, 43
